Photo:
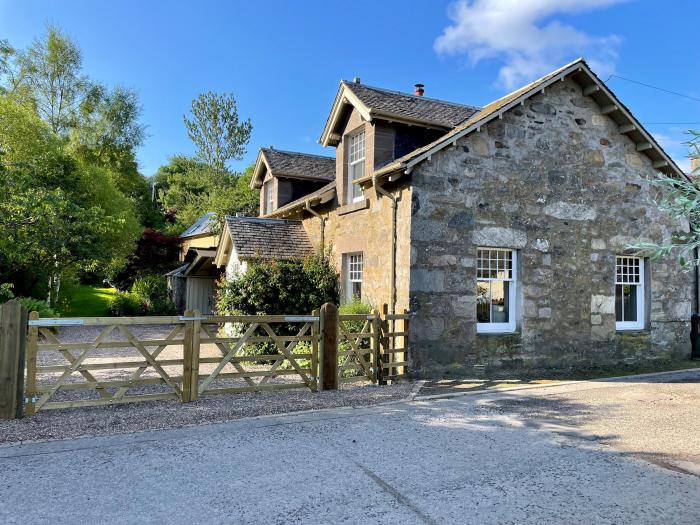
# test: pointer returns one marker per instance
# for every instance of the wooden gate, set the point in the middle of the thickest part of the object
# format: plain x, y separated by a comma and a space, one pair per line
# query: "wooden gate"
129, 359
373, 346
82, 373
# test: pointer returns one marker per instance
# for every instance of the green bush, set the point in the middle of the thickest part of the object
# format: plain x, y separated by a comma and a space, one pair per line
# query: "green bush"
37, 305
148, 296
125, 304
289, 287
6, 292
292, 287
354, 307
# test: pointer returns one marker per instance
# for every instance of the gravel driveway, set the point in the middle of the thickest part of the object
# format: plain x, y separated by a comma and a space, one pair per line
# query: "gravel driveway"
93, 421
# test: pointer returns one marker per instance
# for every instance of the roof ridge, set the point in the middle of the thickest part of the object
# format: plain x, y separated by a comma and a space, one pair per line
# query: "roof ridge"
298, 153
261, 219
411, 95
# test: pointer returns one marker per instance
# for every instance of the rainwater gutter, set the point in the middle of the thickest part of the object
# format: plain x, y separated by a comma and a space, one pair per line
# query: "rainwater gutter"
392, 198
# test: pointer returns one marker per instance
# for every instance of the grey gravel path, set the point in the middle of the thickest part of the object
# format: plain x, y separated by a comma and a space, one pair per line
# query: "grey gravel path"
441, 461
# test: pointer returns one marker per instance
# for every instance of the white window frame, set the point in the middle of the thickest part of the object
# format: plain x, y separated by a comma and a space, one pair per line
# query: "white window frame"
354, 273
633, 280
354, 159
494, 328
269, 196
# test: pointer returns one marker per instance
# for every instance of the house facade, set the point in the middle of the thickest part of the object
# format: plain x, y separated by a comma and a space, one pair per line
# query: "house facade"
505, 230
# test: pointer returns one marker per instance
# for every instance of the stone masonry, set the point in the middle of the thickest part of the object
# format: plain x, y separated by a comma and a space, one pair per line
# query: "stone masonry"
556, 181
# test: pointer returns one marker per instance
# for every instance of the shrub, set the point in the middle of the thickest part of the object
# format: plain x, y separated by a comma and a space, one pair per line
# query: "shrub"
291, 287
124, 304
6, 292
37, 305
148, 296
294, 287
356, 306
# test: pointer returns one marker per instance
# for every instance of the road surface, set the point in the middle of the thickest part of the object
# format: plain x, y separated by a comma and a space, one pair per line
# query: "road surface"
562, 454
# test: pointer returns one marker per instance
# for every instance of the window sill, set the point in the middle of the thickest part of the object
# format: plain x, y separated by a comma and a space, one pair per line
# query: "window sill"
497, 331
353, 207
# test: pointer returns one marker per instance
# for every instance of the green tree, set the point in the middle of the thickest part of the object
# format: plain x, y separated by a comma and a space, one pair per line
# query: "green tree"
216, 131
58, 213
51, 69
680, 198
190, 188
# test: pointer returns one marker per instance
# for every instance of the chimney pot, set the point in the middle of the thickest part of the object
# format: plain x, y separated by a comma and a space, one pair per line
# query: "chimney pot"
356, 80
419, 90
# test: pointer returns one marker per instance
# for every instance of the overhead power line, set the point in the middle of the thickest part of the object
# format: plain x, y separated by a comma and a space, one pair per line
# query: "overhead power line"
653, 87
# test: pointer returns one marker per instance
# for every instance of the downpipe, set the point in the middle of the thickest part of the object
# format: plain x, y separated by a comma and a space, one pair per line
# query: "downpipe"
308, 208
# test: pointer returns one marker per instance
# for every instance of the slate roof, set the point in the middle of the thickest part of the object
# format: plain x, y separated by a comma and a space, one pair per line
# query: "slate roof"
299, 164
255, 237
201, 227
490, 111
388, 102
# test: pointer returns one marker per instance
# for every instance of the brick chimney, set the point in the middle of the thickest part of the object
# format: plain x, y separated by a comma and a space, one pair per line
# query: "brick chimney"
419, 90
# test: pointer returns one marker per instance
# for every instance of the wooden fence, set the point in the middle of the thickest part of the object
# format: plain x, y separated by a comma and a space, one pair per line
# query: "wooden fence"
116, 360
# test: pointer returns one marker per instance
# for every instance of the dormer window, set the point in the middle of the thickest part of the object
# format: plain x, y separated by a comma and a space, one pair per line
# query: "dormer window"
269, 197
356, 163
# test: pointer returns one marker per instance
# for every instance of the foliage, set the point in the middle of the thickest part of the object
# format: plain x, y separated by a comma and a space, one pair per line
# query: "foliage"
192, 189
57, 212
6, 292
294, 287
73, 199
148, 296
37, 305
355, 307
156, 253
216, 131
124, 305
680, 198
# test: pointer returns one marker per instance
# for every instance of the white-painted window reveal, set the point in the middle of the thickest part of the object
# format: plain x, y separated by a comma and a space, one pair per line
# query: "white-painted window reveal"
495, 290
629, 293
269, 198
355, 269
356, 162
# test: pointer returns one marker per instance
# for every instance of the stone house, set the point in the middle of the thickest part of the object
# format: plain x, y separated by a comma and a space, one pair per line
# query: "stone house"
505, 230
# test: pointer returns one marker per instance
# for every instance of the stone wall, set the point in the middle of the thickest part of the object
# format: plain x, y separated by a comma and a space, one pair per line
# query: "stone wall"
555, 180
366, 227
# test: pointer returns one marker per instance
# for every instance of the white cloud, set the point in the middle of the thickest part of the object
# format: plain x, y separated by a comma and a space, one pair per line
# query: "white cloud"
677, 148
523, 36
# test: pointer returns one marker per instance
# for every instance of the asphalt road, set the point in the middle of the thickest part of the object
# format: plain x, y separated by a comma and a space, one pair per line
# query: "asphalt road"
564, 454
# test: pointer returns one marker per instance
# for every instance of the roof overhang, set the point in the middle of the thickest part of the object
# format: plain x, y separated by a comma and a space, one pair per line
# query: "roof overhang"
261, 165
223, 250
591, 85
344, 99
322, 196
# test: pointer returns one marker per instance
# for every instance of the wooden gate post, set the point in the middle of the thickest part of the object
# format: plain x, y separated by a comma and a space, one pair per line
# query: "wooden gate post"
374, 345
13, 339
315, 335
328, 358
190, 356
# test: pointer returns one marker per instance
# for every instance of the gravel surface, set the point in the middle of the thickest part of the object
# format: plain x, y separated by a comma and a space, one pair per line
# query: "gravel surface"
150, 415
656, 418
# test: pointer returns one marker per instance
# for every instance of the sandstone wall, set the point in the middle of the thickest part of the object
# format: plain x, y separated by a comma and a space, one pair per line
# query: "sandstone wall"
556, 181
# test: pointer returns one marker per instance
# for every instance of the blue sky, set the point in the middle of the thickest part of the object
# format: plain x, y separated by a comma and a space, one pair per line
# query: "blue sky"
283, 59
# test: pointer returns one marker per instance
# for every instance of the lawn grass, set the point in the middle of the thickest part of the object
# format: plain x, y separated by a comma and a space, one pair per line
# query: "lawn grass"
89, 301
